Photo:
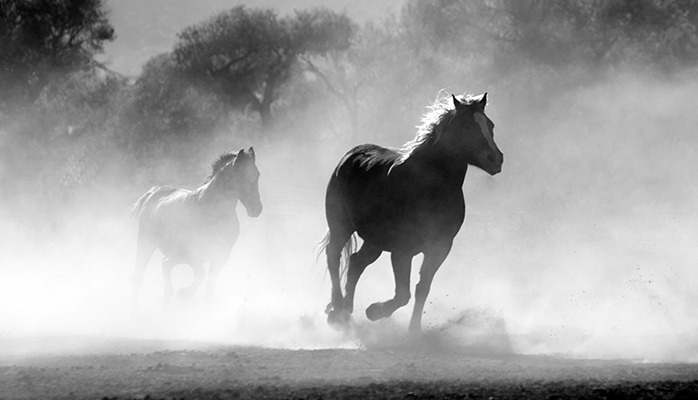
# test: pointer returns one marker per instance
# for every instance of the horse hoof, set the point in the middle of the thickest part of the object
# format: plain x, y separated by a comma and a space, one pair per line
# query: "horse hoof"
338, 319
374, 312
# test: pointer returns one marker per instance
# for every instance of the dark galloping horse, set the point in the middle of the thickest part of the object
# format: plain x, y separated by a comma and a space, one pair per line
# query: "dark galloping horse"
196, 226
406, 201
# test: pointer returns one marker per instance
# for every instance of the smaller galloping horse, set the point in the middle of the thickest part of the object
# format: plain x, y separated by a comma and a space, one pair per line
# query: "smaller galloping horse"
406, 201
196, 226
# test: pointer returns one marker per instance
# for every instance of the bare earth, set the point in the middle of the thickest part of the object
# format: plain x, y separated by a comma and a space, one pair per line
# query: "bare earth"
140, 369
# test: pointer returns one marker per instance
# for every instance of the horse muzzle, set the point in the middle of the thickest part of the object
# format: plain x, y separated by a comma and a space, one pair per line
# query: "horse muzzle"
492, 163
254, 211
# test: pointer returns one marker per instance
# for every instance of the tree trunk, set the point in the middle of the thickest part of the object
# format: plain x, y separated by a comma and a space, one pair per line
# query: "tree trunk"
265, 114
266, 117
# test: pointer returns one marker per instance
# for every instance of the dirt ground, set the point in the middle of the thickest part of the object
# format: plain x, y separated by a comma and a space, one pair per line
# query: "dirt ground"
99, 368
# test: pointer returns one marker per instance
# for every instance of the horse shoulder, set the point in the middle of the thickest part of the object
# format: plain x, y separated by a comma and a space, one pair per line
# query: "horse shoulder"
176, 197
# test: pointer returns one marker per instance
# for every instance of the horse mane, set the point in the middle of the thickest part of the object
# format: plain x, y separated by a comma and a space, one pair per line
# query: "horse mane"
433, 122
220, 162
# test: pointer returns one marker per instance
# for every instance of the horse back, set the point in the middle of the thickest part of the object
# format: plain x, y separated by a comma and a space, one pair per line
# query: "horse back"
156, 202
394, 205
151, 198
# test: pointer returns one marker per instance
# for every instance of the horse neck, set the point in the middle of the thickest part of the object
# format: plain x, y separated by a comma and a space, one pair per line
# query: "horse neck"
216, 193
442, 158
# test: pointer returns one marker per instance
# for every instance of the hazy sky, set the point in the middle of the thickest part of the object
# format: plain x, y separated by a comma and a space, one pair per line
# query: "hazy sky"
145, 28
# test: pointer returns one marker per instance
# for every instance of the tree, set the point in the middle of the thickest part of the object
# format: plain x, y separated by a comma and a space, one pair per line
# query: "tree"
562, 33
46, 39
245, 56
166, 109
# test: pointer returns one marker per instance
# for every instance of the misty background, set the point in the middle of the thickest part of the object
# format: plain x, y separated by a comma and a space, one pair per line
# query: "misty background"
585, 244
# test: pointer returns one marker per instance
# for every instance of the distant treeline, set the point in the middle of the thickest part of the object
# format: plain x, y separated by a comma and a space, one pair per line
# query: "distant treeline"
252, 76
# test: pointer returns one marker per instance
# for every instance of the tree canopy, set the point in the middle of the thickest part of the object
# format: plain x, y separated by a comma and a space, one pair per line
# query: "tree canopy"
248, 65
591, 33
245, 55
45, 39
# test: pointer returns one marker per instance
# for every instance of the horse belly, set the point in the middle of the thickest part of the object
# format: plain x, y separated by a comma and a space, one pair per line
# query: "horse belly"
390, 240
410, 230
197, 250
400, 209
191, 240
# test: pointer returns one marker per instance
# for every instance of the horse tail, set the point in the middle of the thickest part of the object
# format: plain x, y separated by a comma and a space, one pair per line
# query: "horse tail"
348, 249
322, 245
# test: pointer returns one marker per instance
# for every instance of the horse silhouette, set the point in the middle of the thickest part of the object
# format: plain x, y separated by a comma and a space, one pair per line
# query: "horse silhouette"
405, 201
197, 226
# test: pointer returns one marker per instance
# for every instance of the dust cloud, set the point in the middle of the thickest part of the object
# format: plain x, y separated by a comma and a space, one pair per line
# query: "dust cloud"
584, 246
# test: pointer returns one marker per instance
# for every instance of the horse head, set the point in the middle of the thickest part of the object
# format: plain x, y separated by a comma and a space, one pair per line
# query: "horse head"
242, 177
248, 173
471, 133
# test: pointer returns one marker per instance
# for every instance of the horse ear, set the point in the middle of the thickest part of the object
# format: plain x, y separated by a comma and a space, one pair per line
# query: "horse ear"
239, 155
457, 104
483, 101
250, 151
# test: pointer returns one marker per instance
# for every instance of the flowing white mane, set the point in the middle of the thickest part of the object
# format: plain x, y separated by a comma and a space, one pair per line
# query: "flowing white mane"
433, 121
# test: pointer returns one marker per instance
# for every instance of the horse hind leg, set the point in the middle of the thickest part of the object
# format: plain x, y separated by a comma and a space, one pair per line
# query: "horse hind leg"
357, 264
336, 316
402, 264
167, 266
214, 270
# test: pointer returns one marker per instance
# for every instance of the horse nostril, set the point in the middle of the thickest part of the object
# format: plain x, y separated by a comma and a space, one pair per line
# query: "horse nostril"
490, 158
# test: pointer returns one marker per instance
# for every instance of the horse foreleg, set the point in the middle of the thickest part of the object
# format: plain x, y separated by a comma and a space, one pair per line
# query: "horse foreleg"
357, 264
214, 269
432, 261
189, 292
167, 265
336, 316
402, 264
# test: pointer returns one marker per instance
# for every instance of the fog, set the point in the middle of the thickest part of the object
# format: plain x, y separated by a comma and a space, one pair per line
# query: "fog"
584, 246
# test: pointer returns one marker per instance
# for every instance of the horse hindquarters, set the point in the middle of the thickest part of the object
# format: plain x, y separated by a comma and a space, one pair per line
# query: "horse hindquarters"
347, 192
145, 243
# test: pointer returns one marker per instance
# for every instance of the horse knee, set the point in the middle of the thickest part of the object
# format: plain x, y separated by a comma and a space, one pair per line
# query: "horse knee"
402, 298
377, 311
